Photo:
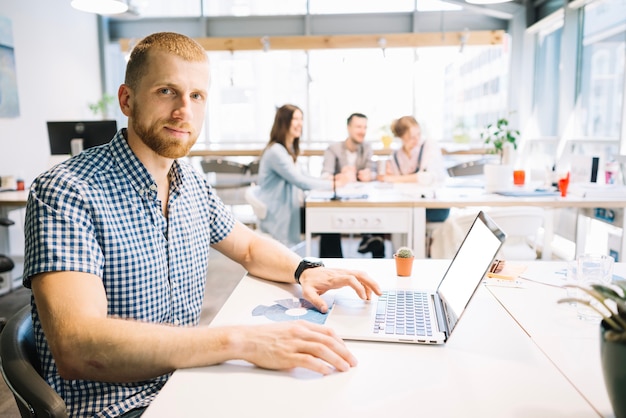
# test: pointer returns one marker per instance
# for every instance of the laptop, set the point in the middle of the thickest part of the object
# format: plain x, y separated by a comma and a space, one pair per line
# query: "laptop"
433, 315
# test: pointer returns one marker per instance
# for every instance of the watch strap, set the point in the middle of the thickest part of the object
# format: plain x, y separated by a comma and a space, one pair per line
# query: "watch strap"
305, 264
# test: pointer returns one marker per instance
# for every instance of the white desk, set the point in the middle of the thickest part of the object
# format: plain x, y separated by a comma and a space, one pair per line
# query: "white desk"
571, 344
488, 368
407, 210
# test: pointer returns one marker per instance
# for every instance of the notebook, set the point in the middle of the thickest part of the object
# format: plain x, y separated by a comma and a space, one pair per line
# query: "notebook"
528, 193
355, 319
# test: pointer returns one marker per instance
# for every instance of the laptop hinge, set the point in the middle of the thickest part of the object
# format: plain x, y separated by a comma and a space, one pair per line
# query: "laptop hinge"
441, 321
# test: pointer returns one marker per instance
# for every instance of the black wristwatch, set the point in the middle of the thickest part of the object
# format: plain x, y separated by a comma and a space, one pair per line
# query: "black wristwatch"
307, 263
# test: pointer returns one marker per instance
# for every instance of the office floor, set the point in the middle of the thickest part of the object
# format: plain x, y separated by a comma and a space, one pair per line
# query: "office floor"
222, 278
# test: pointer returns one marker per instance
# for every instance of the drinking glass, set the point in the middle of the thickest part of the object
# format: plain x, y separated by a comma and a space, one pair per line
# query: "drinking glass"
592, 268
563, 185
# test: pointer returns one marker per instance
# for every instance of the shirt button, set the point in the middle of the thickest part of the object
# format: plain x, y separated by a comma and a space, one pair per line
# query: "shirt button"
176, 321
153, 187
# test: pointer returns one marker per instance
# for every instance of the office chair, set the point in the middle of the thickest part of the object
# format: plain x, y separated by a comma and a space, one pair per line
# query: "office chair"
21, 370
253, 169
229, 178
260, 212
469, 168
258, 207
521, 225
6, 265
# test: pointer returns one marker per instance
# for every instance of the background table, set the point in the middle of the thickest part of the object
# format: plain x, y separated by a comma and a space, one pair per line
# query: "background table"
402, 208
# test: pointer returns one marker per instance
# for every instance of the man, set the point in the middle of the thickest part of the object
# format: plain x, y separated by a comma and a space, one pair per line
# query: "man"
117, 245
352, 160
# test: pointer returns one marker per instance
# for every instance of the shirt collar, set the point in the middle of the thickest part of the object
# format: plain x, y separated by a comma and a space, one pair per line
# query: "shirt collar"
134, 170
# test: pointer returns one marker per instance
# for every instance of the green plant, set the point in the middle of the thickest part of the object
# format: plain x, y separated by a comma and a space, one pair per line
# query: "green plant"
611, 305
498, 134
102, 106
404, 252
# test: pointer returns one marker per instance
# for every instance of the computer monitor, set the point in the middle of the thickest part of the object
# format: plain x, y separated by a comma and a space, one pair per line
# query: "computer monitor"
92, 133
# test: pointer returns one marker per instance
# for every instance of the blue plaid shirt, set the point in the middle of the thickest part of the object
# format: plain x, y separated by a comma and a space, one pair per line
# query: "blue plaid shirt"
98, 213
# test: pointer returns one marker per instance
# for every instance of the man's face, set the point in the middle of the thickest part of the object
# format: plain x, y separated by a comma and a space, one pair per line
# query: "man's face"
167, 110
357, 128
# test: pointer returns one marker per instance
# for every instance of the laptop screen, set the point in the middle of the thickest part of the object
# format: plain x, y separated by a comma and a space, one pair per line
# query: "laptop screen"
471, 262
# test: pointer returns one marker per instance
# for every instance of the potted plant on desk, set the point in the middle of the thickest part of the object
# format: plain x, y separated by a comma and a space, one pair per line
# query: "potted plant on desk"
500, 138
612, 306
404, 261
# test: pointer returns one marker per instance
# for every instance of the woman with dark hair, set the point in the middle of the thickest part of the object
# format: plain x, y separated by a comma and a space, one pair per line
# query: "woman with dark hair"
281, 181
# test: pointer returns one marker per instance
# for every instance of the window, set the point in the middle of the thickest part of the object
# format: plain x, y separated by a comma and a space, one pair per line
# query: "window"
546, 89
165, 8
602, 74
475, 90
181, 8
361, 6
247, 87
439, 86
368, 81
253, 7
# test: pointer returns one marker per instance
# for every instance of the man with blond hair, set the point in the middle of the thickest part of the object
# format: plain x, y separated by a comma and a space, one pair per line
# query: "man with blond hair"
117, 251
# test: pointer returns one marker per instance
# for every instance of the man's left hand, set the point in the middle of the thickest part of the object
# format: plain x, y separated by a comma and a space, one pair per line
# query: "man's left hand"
317, 281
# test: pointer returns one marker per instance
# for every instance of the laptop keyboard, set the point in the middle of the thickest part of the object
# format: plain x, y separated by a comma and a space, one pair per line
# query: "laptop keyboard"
403, 312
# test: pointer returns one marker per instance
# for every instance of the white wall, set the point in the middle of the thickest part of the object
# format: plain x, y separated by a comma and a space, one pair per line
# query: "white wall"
58, 74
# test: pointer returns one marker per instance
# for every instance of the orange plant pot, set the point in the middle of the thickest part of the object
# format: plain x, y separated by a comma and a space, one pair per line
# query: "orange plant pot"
404, 266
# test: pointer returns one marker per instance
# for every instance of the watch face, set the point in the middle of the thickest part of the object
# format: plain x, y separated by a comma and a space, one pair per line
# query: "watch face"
313, 260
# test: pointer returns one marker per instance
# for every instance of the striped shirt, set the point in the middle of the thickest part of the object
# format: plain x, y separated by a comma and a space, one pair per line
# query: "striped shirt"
98, 213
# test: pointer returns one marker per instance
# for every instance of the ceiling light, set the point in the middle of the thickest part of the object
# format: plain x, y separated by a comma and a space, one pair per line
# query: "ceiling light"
101, 7
486, 1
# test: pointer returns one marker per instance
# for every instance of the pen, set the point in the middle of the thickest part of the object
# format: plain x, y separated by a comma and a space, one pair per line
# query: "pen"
496, 266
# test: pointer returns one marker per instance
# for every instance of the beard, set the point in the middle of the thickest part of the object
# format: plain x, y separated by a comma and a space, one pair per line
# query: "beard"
159, 141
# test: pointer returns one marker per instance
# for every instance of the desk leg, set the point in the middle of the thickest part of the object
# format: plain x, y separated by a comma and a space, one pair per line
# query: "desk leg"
419, 232
307, 233
582, 223
548, 234
622, 247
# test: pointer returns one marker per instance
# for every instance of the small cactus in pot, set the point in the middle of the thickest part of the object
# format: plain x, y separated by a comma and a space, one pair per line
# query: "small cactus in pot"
404, 252
404, 261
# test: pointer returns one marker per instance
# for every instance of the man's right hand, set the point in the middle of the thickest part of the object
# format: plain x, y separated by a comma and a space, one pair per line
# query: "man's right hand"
349, 173
291, 344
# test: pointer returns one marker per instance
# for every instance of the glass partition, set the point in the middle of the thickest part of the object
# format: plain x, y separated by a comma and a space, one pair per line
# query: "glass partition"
445, 89
602, 73
547, 64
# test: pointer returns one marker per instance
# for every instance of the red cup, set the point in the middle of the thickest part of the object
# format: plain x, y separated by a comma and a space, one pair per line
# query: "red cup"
519, 177
563, 183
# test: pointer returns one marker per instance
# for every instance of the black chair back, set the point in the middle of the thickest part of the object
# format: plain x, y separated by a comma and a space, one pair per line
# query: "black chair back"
21, 370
